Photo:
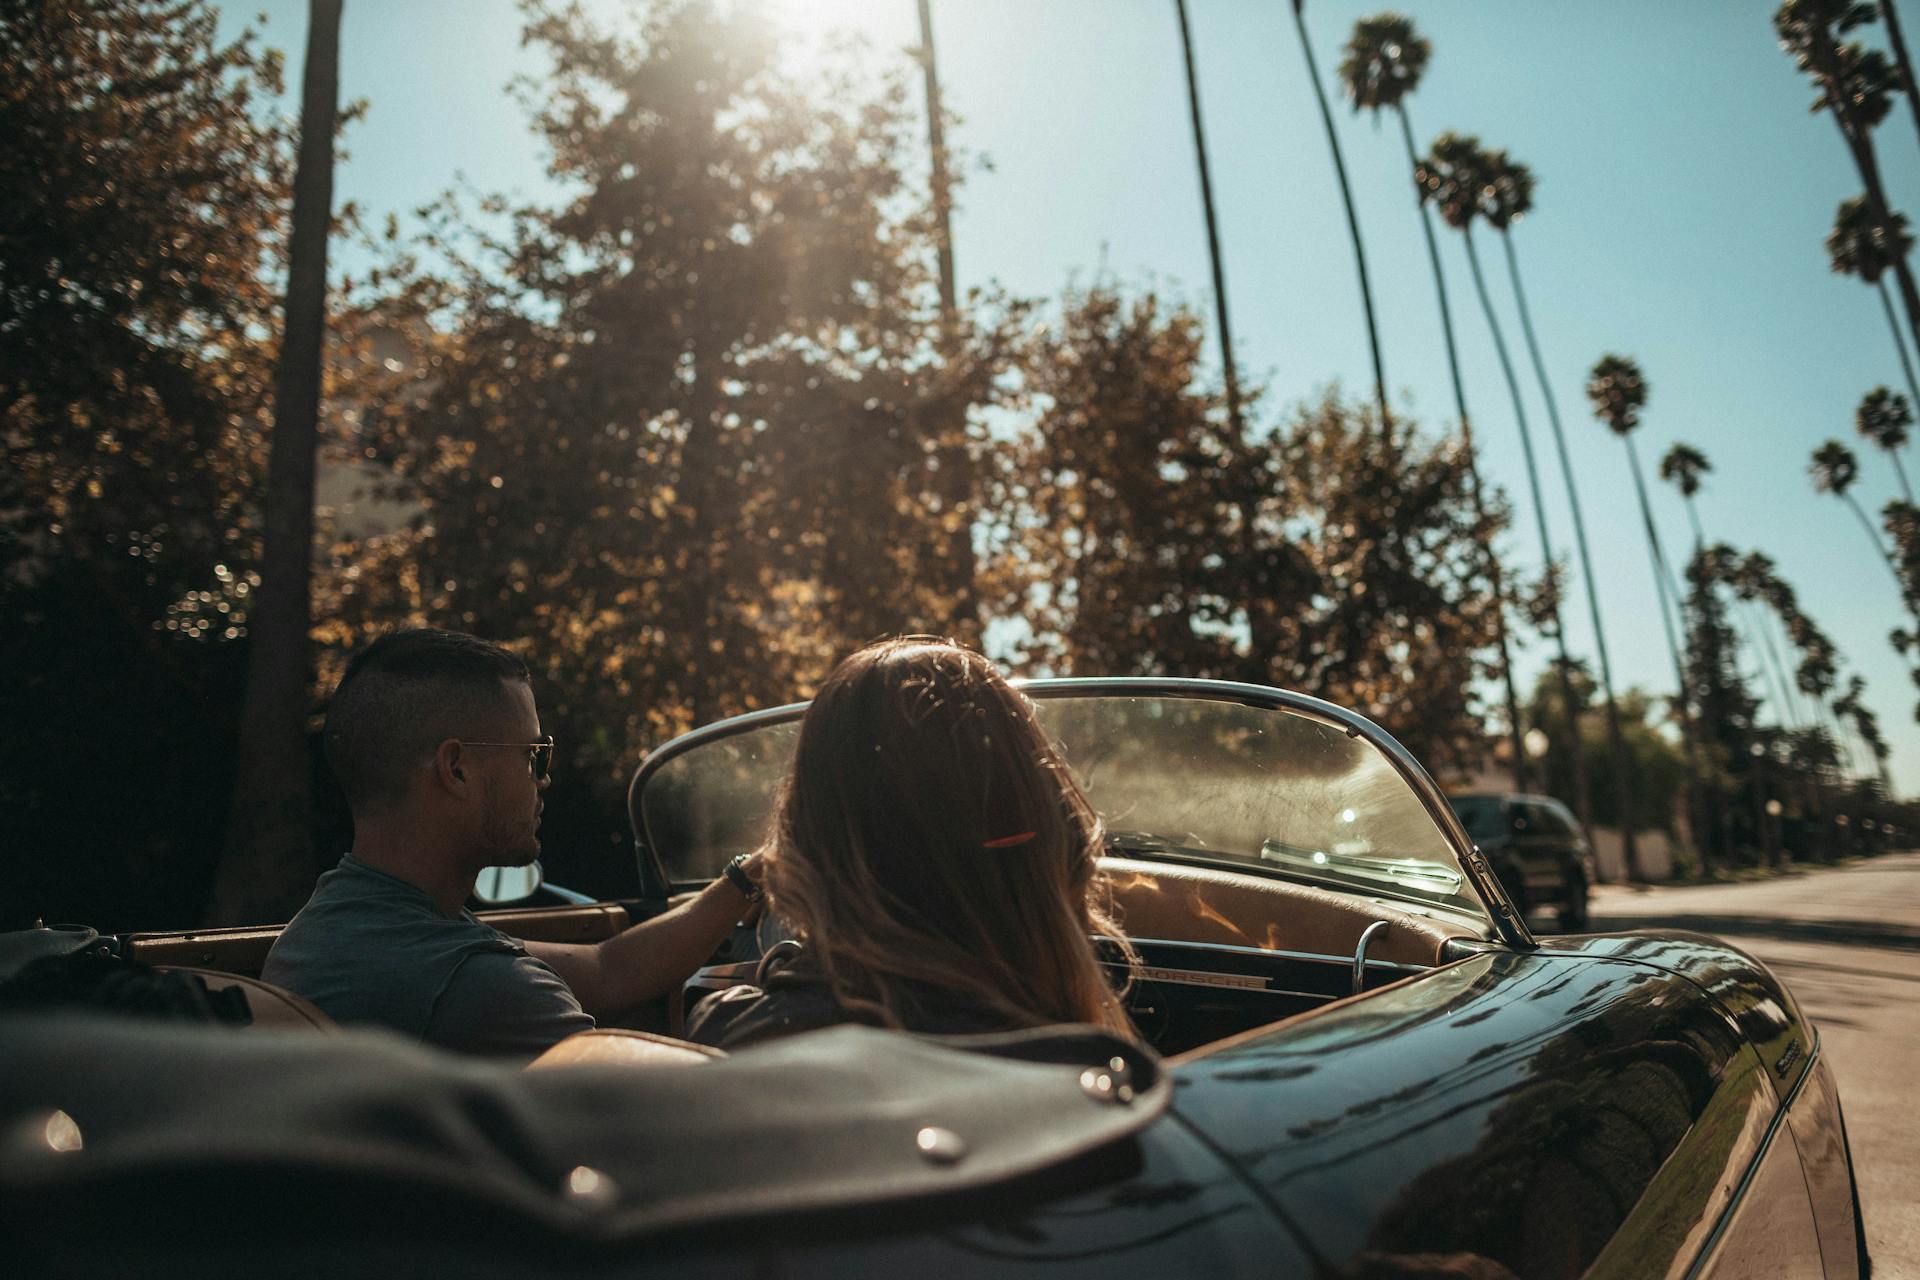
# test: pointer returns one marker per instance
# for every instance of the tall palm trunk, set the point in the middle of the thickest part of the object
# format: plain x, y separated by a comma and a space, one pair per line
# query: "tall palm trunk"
1668, 593
1772, 677
1899, 44
1616, 739
1234, 415
1900, 470
1662, 577
1495, 574
266, 866
1873, 536
1791, 700
956, 479
936, 142
1353, 217
1899, 343
1583, 798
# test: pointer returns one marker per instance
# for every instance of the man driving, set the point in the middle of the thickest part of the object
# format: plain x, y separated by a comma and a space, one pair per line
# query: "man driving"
436, 740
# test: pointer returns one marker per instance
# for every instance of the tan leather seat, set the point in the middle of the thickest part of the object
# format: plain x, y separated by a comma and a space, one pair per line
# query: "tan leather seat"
619, 1047
274, 1008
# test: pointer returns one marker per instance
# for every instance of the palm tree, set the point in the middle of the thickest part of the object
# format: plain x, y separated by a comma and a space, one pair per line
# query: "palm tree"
266, 867
1234, 415
1834, 471
1860, 246
936, 142
957, 470
1452, 176
1682, 467
1505, 198
1353, 218
1857, 85
1384, 60
1618, 392
1883, 417
1898, 43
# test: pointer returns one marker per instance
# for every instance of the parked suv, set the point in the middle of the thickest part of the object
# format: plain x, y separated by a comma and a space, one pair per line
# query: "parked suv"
1536, 849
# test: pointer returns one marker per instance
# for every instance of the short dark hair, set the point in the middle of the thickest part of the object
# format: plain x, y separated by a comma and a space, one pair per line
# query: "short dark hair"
401, 697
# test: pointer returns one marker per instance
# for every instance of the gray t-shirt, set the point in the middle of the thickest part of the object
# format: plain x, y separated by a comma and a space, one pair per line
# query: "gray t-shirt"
371, 948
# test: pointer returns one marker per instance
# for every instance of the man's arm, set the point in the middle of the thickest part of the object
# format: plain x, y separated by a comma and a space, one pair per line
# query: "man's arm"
652, 957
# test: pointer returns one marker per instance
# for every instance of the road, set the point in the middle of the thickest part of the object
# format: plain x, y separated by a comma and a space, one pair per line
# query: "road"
1847, 941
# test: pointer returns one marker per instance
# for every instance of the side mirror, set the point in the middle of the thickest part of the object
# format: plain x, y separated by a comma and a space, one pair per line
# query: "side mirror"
498, 886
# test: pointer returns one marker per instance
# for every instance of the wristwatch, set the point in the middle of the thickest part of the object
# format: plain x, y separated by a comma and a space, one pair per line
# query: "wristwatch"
736, 873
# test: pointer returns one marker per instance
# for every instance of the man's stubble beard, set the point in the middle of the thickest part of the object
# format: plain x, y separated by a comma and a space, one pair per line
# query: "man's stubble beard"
509, 839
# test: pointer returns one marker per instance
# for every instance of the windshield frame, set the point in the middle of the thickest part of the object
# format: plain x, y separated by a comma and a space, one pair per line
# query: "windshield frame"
1507, 922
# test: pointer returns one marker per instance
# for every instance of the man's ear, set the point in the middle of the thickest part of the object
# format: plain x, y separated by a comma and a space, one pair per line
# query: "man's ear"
449, 770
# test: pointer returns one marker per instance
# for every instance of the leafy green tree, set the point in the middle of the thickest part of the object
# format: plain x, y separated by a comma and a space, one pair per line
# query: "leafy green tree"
1118, 511
1137, 533
1453, 176
146, 183
1382, 64
686, 434
1659, 769
1401, 614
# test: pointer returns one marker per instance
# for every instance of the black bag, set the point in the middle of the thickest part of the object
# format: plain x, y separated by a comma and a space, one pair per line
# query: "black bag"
48, 970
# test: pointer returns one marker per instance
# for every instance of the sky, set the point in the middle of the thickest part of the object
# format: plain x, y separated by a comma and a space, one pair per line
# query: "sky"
1684, 192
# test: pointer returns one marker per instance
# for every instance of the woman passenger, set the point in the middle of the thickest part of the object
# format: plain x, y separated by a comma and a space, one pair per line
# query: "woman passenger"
934, 858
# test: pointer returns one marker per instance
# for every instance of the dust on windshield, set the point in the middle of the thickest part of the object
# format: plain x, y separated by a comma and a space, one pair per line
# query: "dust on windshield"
1187, 779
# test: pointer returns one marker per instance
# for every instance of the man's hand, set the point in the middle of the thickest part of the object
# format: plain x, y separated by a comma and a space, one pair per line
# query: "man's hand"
654, 956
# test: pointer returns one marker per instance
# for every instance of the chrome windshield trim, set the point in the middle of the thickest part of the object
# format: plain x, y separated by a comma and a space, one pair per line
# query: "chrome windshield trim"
1507, 922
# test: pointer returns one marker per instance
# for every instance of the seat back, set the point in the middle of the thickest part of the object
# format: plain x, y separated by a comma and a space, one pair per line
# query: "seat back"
620, 1047
274, 1008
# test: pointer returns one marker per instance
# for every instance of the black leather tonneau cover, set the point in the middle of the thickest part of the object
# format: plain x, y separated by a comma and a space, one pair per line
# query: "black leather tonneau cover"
365, 1133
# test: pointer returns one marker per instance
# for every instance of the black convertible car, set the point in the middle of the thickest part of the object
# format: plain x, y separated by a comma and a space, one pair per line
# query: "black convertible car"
1361, 1064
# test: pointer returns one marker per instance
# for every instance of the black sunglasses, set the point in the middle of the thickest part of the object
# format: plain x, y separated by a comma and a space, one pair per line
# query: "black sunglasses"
539, 754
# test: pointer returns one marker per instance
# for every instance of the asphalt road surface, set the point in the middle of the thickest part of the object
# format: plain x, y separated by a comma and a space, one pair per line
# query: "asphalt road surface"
1847, 942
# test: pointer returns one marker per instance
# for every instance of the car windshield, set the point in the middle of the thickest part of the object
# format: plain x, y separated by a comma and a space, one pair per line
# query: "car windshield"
1183, 779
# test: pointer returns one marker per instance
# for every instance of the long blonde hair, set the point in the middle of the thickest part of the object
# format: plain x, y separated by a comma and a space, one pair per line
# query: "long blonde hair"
931, 848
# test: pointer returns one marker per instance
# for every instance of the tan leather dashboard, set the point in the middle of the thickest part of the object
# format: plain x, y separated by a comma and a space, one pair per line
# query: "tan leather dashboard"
1206, 904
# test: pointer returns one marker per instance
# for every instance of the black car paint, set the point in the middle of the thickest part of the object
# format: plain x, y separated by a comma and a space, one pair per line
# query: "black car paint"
1582, 1110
